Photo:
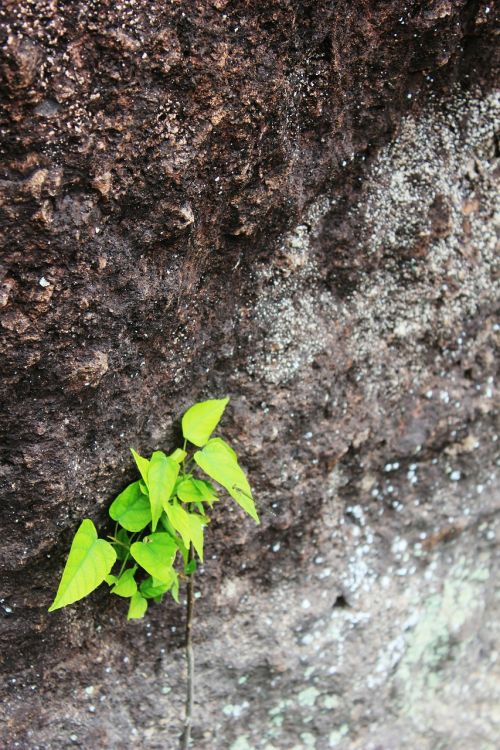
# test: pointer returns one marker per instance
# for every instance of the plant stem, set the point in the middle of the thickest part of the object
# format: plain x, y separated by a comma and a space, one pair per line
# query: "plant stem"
125, 560
186, 736
126, 556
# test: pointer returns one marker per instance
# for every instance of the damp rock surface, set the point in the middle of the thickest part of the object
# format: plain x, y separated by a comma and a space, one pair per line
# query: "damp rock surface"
293, 204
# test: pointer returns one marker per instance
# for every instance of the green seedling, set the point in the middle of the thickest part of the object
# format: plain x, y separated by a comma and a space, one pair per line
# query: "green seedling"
160, 521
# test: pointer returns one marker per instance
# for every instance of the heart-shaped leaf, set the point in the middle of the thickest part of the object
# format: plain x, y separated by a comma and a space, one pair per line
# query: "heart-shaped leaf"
179, 520
137, 608
174, 589
89, 562
162, 475
187, 491
196, 526
131, 508
218, 462
195, 491
222, 443
126, 585
156, 555
172, 532
201, 419
178, 455
206, 489
152, 589
189, 525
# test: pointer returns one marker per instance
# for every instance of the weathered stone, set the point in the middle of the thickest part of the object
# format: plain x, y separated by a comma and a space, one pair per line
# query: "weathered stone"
294, 204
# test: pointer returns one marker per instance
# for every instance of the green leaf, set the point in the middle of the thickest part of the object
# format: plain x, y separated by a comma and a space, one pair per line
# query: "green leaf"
189, 525
168, 526
188, 492
180, 479
151, 588
190, 567
162, 474
111, 580
201, 419
195, 491
142, 465
89, 562
137, 608
175, 589
207, 490
131, 508
196, 524
216, 461
178, 455
179, 520
156, 555
126, 585
178, 541
219, 441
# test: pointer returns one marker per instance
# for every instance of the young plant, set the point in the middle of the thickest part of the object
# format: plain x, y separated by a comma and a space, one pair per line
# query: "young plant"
160, 521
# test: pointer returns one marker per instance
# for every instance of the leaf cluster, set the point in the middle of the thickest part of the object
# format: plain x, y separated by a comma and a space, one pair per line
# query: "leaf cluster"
160, 519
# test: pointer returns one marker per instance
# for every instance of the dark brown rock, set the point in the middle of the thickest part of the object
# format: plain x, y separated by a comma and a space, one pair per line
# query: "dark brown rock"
291, 203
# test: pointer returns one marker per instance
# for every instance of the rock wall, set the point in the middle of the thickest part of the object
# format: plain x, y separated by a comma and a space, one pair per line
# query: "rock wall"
292, 203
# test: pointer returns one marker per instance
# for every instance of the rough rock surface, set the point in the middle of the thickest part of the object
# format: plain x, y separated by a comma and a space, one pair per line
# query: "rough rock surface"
292, 203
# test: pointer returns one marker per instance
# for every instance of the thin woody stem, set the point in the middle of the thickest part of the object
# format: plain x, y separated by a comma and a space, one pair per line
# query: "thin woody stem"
186, 736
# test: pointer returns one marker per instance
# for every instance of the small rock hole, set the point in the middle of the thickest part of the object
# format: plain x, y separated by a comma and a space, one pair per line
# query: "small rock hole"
341, 601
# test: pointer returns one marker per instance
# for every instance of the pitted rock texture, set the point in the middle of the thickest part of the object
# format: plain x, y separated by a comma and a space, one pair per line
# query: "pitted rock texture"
294, 204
